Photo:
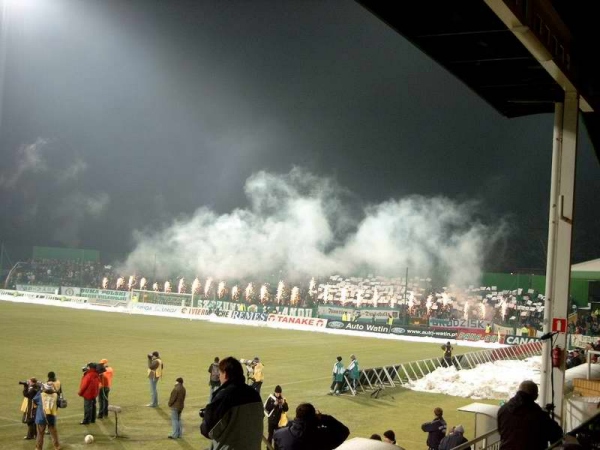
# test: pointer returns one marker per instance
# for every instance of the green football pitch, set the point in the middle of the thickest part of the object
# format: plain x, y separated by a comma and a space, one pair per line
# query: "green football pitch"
38, 339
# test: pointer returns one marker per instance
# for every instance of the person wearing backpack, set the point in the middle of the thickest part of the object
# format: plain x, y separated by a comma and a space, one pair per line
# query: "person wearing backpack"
213, 380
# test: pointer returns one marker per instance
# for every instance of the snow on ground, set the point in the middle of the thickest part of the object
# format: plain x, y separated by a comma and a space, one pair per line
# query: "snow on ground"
495, 380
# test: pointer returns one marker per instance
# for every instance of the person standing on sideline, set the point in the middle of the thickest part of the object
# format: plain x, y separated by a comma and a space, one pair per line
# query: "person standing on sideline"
213, 380
46, 401
155, 368
257, 375
523, 424
88, 389
28, 407
234, 417
104, 385
454, 439
447, 348
338, 377
275, 406
436, 429
176, 403
353, 371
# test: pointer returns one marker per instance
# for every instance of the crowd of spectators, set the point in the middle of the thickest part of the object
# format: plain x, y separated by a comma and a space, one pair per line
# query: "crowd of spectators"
50, 272
415, 298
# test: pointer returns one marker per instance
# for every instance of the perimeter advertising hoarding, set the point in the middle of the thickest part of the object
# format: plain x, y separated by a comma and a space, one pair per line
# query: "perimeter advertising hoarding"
235, 306
518, 340
473, 335
293, 320
424, 332
357, 315
458, 323
357, 326
41, 289
104, 294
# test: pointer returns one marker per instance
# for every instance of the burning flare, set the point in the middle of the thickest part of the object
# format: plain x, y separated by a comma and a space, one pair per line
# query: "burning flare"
221, 289
295, 298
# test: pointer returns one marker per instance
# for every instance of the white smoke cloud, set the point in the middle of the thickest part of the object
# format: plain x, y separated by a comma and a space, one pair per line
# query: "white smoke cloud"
71, 213
29, 159
302, 225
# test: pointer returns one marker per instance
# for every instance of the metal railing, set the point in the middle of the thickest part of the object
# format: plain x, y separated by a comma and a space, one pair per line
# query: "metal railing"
405, 373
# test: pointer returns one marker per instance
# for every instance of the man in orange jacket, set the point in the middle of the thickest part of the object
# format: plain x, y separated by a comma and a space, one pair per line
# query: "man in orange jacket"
88, 389
104, 385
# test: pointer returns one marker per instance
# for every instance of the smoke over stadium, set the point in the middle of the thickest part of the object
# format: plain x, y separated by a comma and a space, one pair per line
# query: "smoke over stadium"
299, 225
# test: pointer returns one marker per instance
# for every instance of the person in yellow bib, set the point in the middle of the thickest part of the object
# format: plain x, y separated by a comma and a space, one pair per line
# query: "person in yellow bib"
45, 415
155, 369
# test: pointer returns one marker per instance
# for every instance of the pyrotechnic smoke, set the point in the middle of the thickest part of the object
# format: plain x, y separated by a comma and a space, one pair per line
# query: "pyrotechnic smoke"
167, 286
221, 289
196, 286
295, 296
280, 291
155, 287
235, 293
104, 283
143, 282
131, 282
343, 296
249, 292
264, 294
298, 225
466, 311
43, 182
120, 282
181, 286
207, 286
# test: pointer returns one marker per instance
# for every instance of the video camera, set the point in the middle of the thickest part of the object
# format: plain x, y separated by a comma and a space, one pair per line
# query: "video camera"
98, 367
23, 383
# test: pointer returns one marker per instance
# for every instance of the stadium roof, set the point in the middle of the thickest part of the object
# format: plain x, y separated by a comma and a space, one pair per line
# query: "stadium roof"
587, 266
518, 55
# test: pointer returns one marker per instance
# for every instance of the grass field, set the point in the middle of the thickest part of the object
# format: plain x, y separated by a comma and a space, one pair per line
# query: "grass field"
37, 339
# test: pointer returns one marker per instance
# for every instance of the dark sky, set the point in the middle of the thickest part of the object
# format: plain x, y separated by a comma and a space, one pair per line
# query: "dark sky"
126, 115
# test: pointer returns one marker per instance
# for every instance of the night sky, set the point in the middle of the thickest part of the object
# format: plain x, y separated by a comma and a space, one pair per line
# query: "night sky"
158, 127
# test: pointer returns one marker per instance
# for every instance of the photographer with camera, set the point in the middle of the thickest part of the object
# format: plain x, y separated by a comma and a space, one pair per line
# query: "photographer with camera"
88, 389
30, 389
275, 406
155, 368
311, 430
234, 417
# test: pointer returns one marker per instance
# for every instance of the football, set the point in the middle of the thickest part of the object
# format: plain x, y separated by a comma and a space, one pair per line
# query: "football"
88, 439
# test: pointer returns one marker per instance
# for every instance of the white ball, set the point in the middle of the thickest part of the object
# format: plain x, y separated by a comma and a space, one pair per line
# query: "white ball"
88, 439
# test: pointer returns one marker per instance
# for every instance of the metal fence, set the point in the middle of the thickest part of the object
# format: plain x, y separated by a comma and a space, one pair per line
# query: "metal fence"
402, 374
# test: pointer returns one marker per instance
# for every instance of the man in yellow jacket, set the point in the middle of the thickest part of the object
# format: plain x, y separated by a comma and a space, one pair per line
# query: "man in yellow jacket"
257, 376
155, 368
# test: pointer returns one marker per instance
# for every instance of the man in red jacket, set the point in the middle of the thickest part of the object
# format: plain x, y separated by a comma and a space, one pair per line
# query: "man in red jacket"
88, 389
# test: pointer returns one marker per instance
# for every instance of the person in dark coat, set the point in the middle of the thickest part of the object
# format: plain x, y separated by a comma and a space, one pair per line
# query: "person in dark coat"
177, 403
28, 407
454, 439
275, 406
436, 429
523, 424
234, 417
311, 430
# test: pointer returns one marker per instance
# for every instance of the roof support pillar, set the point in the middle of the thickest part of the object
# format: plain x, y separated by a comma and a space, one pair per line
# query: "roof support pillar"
558, 269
